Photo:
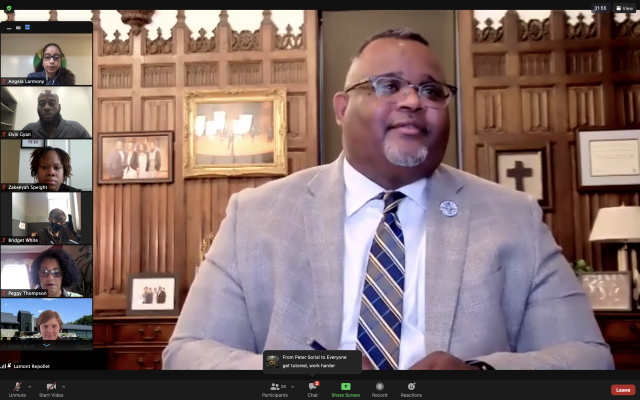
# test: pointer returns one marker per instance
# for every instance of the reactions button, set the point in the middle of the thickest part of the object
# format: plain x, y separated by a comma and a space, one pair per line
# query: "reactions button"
623, 390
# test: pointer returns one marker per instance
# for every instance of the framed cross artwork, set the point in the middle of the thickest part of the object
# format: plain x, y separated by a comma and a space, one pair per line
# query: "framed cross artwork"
525, 168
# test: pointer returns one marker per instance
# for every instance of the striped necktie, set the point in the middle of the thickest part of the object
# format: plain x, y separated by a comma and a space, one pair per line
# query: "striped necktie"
380, 319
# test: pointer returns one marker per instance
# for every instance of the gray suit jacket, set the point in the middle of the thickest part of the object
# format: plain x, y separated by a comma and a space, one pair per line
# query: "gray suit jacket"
497, 286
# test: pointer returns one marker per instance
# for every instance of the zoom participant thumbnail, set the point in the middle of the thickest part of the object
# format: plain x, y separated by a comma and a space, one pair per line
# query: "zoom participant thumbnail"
46, 218
46, 165
36, 112
47, 53
47, 324
46, 271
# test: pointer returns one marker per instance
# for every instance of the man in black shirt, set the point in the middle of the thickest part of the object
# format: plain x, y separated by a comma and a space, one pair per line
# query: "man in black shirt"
51, 125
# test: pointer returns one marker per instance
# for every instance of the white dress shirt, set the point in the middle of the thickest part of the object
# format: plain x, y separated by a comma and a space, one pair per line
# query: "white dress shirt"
361, 221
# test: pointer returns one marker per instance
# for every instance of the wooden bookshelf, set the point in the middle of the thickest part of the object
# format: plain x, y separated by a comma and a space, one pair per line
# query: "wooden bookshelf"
8, 105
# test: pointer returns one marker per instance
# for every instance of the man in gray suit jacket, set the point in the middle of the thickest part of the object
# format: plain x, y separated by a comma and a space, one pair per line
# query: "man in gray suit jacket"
416, 264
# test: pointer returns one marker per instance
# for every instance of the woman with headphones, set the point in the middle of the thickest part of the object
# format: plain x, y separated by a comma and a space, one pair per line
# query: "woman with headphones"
51, 64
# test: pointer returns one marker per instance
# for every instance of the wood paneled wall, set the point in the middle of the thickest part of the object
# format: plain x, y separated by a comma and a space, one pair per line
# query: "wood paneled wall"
138, 85
535, 82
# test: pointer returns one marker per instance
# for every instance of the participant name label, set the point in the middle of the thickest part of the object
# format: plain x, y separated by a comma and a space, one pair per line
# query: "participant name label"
13, 134
23, 81
25, 293
18, 240
25, 187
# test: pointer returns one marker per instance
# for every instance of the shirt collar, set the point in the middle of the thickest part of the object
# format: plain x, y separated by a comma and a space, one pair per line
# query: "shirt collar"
360, 190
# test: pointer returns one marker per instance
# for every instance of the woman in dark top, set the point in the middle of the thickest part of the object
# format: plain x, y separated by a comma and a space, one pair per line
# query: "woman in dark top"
57, 232
51, 166
51, 64
55, 271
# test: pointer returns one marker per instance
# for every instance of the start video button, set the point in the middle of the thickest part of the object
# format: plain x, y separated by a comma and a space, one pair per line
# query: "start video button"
623, 390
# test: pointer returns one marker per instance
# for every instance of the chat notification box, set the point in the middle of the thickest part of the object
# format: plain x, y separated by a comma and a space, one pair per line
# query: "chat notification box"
312, 362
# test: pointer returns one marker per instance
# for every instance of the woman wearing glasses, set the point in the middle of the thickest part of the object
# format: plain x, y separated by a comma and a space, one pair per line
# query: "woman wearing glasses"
51, 64
56, 271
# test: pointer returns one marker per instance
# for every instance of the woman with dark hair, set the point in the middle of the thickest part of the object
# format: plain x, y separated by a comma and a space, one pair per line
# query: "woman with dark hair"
52, 166
51, 64
141, 161
56, 271
57, 232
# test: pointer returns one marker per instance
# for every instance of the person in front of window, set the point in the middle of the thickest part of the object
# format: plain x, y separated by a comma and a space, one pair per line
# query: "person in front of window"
49, 325
51, 125
56, 232
51, 64
55, 270
52, 166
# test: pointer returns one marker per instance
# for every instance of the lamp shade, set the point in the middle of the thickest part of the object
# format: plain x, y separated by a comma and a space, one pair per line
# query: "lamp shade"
201, 121
617, 224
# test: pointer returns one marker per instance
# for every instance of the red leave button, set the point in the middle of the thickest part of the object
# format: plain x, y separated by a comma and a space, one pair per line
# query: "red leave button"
623, 390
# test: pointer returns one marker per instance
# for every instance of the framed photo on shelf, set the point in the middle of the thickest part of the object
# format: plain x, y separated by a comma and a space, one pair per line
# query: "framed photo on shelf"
608, 290
153, 294
608, 159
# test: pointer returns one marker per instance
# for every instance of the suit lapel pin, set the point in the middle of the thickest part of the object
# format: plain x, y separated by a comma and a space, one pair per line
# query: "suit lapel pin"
448, 208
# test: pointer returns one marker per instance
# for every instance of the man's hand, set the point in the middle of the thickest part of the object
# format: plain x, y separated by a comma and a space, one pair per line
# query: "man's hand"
440, 360
366, 364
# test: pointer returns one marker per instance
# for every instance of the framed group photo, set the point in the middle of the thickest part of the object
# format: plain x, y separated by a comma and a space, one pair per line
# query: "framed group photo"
153, 294
135, 157
608, 159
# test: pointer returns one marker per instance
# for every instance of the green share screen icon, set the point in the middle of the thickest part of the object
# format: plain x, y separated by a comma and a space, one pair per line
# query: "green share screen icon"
346, 386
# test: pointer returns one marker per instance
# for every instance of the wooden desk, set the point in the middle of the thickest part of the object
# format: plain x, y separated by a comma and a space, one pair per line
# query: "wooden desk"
133, 343
621, 330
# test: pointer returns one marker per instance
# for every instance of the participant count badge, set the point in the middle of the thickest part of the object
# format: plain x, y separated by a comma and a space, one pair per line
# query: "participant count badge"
448, 208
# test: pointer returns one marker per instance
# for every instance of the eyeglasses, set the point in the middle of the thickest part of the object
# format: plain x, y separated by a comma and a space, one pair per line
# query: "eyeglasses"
45, 273
433, 94
54, 58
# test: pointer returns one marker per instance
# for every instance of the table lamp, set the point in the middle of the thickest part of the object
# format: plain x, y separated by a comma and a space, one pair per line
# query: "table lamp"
621, 225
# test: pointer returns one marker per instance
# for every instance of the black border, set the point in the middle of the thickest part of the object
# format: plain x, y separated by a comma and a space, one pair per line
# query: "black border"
44, 27
618, 377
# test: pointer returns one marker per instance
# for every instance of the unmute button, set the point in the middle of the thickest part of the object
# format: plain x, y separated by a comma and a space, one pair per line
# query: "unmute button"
623, 390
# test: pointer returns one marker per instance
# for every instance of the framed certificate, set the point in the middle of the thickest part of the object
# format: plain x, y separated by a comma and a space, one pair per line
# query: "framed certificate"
608, 159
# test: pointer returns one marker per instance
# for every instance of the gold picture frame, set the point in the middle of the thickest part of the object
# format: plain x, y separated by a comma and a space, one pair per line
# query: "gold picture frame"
235, 132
